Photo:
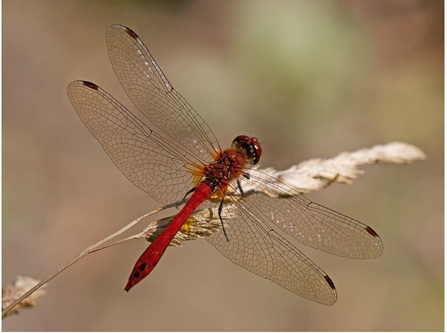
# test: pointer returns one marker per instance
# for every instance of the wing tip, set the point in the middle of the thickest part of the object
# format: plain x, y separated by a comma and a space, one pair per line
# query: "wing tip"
331, 300
87, 84
377, 242
329, 282
116, 26
131, 33
127, 30
90, 85
371, 232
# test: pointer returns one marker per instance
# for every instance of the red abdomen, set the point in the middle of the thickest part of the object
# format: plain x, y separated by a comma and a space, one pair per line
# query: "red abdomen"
149, 259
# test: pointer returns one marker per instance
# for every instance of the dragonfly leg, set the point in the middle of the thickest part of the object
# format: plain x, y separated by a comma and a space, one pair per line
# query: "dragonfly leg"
186, 195
239, 184
220, 216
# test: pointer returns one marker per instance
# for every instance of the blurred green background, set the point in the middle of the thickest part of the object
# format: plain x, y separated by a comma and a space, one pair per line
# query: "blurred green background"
309, 78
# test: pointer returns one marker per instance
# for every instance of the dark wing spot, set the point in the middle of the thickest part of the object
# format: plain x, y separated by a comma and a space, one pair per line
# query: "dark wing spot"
132, 34
329, 281
136, 275
143, 266
90, 85
371, 232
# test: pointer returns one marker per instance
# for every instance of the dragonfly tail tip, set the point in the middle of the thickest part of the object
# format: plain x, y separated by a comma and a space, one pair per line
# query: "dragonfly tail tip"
128, 286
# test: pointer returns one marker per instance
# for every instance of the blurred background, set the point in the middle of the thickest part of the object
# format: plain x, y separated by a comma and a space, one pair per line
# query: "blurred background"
309, 78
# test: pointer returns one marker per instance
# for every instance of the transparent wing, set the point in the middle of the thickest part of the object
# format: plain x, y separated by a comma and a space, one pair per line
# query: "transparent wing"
255, 246
308, 222
154, 164
150, 91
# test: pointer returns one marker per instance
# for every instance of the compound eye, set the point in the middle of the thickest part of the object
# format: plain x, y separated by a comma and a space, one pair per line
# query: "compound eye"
250, 145
257, 148
240, 141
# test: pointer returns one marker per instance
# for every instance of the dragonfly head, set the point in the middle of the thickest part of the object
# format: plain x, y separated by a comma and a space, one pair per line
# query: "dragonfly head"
250, 146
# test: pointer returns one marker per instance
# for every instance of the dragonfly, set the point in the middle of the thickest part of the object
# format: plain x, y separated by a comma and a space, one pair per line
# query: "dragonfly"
179, 158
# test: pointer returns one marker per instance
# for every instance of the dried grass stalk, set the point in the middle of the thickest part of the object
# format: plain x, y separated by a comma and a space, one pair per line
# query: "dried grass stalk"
317, 173
308, 176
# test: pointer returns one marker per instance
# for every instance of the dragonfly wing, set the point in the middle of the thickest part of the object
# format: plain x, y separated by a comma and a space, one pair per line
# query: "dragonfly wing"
149, 161
152, 93
308, 222
255, 246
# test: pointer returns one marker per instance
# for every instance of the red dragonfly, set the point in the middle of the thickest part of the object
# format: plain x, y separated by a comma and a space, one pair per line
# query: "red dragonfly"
180, 155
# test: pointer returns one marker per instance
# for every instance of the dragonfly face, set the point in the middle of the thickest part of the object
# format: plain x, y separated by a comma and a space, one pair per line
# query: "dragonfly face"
251, 147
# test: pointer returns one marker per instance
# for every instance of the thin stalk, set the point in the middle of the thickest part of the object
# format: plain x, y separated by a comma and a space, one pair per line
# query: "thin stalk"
90, 249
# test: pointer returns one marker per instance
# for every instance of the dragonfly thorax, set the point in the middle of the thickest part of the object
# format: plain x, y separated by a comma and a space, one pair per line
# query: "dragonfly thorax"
227, 167
229, 163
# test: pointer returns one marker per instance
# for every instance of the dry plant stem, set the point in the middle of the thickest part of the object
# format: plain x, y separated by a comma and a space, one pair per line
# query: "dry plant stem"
309, 176
90, 249
137, 236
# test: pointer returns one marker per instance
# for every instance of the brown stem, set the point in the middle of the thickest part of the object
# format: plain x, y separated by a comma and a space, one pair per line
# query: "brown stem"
90, 249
